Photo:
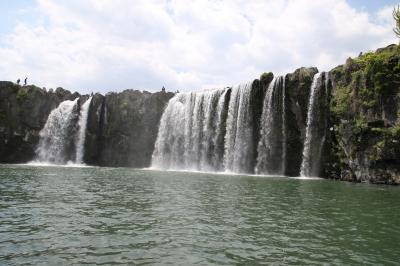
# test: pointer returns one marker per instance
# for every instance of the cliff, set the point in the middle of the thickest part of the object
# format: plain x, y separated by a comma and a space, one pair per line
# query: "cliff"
23, 113
365, 118
359, 106
121, 127
297, 94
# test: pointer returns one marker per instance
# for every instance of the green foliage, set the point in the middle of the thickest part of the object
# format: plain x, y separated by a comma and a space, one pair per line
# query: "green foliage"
124, 105
395, 131
386, 144
341, 102
22, 94
367, 80
363, 107
266, 77
361, 125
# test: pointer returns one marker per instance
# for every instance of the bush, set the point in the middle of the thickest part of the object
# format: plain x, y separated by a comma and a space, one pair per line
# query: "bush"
366, 81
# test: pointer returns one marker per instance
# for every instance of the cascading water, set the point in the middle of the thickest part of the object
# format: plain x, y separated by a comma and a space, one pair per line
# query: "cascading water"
206, 131
80, 144
238, 138
218, 130
55, 138
284, 135
316, 126
272, 144
190, 132
62, 139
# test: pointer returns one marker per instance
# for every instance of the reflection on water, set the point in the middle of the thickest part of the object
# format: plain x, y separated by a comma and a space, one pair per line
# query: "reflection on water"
59, 215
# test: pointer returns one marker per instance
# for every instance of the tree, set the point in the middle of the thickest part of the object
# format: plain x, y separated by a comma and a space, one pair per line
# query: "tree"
396, 16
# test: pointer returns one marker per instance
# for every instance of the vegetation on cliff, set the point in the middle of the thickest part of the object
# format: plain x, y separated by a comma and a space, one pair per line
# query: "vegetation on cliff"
365, 109
363, 142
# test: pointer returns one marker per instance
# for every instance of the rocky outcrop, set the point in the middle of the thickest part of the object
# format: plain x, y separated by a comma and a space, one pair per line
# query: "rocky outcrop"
122, 127
365, 118
360, 107
23, 113
258, 90
121, 130
298, 95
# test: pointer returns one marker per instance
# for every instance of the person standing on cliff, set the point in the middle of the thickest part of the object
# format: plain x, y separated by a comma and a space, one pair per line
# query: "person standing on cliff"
18, 81
25, 81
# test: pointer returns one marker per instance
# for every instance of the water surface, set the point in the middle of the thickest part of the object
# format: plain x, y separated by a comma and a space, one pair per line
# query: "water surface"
68, 215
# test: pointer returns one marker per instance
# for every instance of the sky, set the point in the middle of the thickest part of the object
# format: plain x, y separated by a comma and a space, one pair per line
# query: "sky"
105, 45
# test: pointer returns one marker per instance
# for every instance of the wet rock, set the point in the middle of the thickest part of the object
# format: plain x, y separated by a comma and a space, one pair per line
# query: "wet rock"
122, 127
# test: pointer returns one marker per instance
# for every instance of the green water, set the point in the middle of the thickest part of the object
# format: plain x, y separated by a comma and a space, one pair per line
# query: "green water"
59, 215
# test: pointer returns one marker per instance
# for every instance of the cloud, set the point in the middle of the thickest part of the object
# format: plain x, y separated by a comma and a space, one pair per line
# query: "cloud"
111, 45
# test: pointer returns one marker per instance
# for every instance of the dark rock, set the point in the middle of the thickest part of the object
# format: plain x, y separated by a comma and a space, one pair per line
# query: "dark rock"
23, 113
361, 107
298, 94
258, 91
365, 110
122, 128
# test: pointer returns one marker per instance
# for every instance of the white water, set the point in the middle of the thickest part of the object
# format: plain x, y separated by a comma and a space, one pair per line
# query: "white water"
68, 164
272, 144
202, 131
53, 146
190, 132
80, 144
212, 131
238, 138
311, 159
284, 135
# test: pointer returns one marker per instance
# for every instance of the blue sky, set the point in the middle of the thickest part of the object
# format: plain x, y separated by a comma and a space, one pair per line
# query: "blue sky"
13, 11
371, 5
104, 46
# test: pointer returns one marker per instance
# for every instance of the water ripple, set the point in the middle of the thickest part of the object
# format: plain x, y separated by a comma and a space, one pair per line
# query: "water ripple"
70, 216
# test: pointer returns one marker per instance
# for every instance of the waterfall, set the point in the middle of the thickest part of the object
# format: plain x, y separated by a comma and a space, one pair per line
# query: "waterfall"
316, 126
80, 144
190, 132
62, 139
284, 135
228, 130
55, 141
238, 138
206, 131
272, 144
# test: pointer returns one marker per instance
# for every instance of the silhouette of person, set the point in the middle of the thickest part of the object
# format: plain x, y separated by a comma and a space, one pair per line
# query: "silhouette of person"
25, 81
163, 89
18, 81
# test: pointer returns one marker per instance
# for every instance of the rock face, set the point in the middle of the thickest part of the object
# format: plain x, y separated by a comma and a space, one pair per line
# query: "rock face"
241, 129
121, 127
298, 94
360, 107
23, 113
365, 118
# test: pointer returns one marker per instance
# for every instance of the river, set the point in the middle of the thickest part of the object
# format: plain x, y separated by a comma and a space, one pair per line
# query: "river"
92, 215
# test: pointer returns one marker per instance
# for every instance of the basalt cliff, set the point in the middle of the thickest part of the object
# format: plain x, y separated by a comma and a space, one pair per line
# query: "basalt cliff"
342, 124
121, 127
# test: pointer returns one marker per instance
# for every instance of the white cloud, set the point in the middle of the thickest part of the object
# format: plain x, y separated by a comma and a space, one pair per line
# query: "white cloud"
110, 45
